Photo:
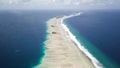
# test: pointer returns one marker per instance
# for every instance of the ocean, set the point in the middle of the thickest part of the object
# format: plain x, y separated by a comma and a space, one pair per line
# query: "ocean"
22, 36
98, 32
23, 33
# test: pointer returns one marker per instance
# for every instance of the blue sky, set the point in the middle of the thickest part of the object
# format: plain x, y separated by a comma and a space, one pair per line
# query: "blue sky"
59, 4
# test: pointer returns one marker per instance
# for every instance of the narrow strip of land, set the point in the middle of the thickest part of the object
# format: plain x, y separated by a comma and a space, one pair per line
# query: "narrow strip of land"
61, 52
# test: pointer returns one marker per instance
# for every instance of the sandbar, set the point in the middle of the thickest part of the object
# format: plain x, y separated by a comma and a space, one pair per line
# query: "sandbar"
60, 51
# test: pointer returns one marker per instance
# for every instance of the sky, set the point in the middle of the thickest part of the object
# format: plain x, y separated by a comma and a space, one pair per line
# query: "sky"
59, 4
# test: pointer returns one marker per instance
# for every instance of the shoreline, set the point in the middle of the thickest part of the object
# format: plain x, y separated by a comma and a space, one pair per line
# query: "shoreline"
62, 51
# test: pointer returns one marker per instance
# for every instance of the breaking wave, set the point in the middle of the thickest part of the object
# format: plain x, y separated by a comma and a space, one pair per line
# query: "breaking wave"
95, 62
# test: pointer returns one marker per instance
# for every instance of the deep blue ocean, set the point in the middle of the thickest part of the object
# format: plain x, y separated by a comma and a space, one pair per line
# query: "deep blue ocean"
22, 36
99, 32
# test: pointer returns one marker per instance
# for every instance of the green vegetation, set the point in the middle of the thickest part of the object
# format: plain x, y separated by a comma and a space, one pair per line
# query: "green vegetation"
54, 33
52, 26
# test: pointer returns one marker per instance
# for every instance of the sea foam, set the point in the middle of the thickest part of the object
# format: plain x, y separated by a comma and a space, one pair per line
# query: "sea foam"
95, 62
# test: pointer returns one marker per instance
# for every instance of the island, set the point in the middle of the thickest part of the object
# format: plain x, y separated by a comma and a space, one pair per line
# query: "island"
61, 51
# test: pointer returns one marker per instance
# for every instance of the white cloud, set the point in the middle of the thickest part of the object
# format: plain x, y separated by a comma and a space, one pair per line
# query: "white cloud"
53, 1
54, 4
11, 2
67, 2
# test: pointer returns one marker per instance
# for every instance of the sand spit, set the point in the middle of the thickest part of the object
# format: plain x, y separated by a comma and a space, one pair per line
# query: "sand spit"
61, 52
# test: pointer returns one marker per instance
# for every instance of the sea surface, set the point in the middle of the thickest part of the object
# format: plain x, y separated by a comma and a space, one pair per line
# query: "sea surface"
99, 33
22, 36
23, 33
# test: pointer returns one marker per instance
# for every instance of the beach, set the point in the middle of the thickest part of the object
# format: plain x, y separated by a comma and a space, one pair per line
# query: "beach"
61, 51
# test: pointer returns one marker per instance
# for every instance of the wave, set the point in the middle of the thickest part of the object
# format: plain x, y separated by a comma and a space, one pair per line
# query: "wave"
95, 62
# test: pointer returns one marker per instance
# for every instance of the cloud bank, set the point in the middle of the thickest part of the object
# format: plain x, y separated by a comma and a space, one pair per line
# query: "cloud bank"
62, 4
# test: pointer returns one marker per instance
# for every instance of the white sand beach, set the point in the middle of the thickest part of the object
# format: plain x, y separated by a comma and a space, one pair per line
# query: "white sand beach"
61, 52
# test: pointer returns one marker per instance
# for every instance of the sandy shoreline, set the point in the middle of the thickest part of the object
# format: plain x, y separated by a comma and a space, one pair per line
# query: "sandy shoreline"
61, 52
